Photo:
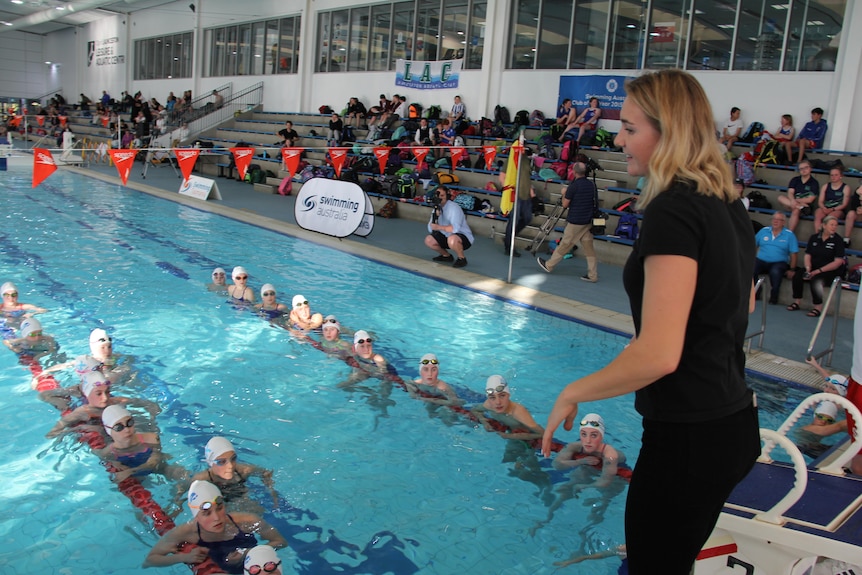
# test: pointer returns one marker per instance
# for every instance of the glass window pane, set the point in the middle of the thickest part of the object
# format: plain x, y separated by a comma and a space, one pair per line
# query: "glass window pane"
230, 67
427, 29
381, 20
402, 33
476, 41
220, 52
452, 43
760, 34
712, 35
243, 50
554, 35
358, 53
272, 55
295, 42
591, 29
139, 59
628, 35
258, 48
525, 24
814, 33
176, 53
667, 37
338, 49
188, 52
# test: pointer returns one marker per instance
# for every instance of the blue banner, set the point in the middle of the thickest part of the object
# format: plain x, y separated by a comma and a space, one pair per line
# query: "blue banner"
427, 74
610, 90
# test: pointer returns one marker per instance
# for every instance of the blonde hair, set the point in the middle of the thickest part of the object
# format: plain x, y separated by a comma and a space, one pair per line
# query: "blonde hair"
687, 150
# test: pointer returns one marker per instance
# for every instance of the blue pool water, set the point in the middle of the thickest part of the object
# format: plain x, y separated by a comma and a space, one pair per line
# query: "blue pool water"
366, 488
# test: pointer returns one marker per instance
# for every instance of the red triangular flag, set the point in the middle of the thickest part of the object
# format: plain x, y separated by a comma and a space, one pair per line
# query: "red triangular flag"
105, 121
419, 154
43, 165
338, 155
490, 153
40, 120
63, 120
186, 158
456, 152
382, 154
242, 157
291, 157
123, 160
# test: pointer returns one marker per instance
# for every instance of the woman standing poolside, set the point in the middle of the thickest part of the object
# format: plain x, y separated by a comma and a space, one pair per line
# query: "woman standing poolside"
690, 290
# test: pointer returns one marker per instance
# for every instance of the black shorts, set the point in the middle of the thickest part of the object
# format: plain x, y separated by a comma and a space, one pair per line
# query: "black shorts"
443, 242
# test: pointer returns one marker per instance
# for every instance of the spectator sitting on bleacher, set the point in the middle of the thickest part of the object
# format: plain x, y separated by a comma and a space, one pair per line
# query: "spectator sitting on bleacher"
288, 135
834, 198
170, 102
399, 110
375, 114
801, 193
566, 113
85, 103
336, 125
811, 136
447, 132
586, 120
785, 131
181, 134
854, 210
425, 135
458, 112
355, 112
732, 128
776, 248
824, 260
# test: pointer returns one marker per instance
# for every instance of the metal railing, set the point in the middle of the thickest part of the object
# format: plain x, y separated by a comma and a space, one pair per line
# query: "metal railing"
242, 101
176, 117
761, 283
834, 294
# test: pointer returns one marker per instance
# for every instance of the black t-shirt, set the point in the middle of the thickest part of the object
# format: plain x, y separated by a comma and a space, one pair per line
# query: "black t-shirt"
288, 134
581, 194
709, 382
804, 190
824, 252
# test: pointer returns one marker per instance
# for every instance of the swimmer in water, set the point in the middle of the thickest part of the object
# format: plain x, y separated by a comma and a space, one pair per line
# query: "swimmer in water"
269, 308
824, 424
31, 340
368, 363
224, 538
331, 342
301, 316
429, 387
230, 475
219, 283
133, 454
239, 291
499, 407
101, 358
262, 560
12, 311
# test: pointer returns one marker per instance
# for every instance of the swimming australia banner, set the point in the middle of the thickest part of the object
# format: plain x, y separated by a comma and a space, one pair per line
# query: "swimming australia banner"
331, 207
426, 74
610, 90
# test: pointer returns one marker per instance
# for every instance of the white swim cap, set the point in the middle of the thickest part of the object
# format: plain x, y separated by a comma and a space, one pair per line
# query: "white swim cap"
496, 384
265, 288
28, 326
237, 271
112, 414
8, 287
219, 272
97, 337
260, 556
826, 408
840, 383
87, 363
361, 334
298, 299
331, 322
594, 421
215, 447
91, 380
201, 493
428, 358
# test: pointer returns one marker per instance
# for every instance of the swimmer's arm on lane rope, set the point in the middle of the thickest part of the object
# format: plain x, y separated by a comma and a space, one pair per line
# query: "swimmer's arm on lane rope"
526, 419
166, 551
49, 370
78, 415
669, 286
564, 459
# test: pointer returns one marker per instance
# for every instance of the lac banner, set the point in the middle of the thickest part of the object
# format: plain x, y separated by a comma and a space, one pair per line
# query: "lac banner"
427, 74
330, 207
610, 90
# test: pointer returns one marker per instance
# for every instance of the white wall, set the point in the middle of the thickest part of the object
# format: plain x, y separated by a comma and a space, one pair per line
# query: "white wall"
22, 67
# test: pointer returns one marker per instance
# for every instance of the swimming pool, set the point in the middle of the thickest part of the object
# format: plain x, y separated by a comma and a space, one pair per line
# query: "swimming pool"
371, 489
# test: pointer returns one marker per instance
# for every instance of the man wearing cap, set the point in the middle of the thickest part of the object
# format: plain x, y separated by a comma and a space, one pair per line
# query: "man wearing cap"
332, 342
777, 250
429, 387
224, 538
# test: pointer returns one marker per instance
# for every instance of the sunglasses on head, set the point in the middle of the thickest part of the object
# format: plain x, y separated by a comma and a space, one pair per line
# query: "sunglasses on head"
11, 294
240, 277
369, 340
427, 361
268, 567
498, 389
124, 425
207, 505
590, 423
221, 462
268, 293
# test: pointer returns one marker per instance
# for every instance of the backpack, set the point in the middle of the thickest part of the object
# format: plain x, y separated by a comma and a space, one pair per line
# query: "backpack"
627, 205
285, 187
745, 169
752, 133
371, 186
603, 138
389, 210
771, 152
399, 133
403, 187
466, 201
570, 150
501, 115
522, 118
325, 110
258, 176
414, 111
486, 127
758, 200
557, 131
537, 118
349, 175
433, 113
445, 178
627, 227
547, 149
347, 134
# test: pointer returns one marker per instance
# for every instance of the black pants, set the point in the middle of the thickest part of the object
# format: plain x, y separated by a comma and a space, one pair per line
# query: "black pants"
525, 216
817, 283
683, 476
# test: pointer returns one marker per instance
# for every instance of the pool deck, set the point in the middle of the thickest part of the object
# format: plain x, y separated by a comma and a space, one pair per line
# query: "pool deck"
399, 242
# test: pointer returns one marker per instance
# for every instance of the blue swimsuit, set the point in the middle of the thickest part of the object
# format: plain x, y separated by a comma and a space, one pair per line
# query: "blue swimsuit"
220, 550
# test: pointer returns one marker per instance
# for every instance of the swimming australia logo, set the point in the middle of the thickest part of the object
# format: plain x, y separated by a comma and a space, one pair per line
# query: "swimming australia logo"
309, 203
45, 159
612, 85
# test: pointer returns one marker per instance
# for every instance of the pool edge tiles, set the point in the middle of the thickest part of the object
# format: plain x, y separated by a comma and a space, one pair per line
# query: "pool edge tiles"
761, 363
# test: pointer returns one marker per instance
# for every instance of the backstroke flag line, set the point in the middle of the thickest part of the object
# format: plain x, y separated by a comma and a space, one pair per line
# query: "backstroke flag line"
43, 165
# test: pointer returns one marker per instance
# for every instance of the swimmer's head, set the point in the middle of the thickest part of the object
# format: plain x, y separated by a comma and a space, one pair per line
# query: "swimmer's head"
267, 289
86, 364
100, 342
117, 418
299, 301
361, 337
91, 380
215, 447
826, 409
8, 288
593, 421
496, 384
330, 326
261, 559
30, 327
840, 383
428, 359
203, 495
238, 273
219, 272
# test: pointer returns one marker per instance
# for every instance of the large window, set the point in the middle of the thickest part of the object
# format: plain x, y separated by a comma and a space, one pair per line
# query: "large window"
694, 34
164, 57
252, 48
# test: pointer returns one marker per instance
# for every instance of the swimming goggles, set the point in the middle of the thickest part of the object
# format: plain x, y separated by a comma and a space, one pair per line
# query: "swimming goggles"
591, 423
219, 274
207, 505
499, 389
824, 417
266, 293
224, 460
427, 361
333, 320
268, 567
121, 426
11, 294
369, 340
300, 303
105, 339
35, 333
241, 278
